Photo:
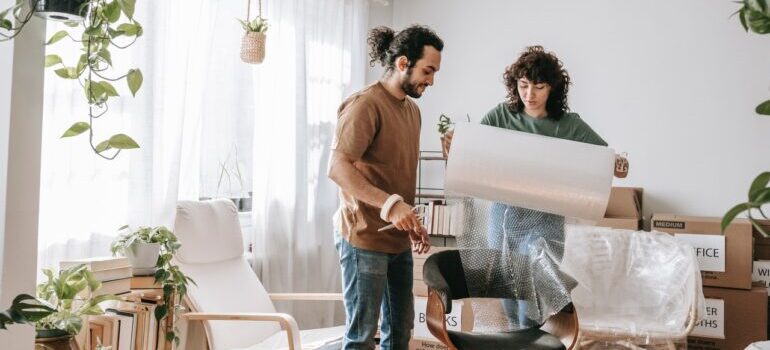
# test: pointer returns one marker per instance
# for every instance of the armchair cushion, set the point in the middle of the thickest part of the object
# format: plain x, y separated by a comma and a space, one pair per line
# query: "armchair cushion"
312, 339
211, 230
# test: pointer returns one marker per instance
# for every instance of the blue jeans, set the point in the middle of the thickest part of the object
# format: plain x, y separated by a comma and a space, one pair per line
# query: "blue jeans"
374, 282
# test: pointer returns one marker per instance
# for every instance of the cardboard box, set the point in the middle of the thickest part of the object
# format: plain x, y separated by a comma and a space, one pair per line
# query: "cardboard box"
420, 344
734, 319
761, 243
725, 261
624, 209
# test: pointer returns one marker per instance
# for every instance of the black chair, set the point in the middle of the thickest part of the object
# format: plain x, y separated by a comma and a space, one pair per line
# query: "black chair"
446, 280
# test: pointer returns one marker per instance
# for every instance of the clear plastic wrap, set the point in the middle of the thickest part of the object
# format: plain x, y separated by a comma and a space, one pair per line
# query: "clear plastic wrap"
632, 285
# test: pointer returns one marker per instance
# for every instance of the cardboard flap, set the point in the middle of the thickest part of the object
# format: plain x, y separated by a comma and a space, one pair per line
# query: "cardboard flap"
625, 202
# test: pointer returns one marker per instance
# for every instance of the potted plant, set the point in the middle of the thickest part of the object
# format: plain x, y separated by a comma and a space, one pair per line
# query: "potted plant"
57, 314
167, 274
253, 42
755, 17
141, 247
444, 126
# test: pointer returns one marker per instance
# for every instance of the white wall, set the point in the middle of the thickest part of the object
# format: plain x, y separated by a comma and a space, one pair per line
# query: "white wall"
674, 84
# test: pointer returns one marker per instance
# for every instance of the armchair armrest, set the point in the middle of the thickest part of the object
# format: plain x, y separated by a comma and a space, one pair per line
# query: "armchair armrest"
306, 296
285, 320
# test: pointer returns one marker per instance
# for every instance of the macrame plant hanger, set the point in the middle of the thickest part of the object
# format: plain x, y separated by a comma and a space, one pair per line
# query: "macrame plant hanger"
253, 43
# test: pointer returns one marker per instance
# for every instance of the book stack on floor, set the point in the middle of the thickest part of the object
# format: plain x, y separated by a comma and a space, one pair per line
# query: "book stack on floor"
144, 282
129, 323
113, 272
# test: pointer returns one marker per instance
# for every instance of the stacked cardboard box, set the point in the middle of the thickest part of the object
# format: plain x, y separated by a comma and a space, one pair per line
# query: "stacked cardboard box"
624, 209
762, 258
736, 310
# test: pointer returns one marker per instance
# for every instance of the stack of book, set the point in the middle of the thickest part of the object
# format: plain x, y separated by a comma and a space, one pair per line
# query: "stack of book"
113, 272
144, 282
128, 324
439, 221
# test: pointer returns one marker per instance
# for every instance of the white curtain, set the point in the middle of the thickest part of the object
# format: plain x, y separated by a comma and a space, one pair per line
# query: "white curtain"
84, 198
316, 56
198, 107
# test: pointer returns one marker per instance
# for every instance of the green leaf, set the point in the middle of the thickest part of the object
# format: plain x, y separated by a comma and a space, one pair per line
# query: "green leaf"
105, 55
732, 213
763, 108
764, 232
6, 24
108, 88
134, 80
76, 129
94, 91
56, 37
103, 146
112, 11
129, 29
67, 73
759, 183
122, 141
128, 7
51, 60
93, 31
160, 312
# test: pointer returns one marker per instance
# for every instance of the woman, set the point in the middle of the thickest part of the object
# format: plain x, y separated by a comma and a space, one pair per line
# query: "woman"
537, 85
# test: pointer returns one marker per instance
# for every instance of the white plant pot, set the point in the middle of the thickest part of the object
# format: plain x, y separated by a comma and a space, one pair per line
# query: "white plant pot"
143, 257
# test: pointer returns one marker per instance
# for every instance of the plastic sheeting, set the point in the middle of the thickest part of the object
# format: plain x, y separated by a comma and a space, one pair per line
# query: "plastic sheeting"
512, 253
509, 191
547, 174
632, 284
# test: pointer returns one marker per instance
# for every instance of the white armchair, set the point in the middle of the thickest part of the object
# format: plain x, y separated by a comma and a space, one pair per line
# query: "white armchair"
229, 293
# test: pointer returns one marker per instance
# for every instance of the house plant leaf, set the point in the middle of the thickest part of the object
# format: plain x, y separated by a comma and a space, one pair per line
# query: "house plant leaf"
51, 60
56, 37
122, 141
763, 108
76, 129
134, 79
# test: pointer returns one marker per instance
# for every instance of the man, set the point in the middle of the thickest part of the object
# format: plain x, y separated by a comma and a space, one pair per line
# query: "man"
374, 162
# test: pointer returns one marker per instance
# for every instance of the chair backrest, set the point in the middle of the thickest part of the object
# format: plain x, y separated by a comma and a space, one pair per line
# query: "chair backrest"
632, 284
212, 255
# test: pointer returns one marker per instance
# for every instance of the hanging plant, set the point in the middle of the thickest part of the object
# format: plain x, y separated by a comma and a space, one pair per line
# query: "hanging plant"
107, 24
9, 30
253, 42
100, 30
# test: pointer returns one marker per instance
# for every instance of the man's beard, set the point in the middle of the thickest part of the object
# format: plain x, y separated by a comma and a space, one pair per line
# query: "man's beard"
410, 88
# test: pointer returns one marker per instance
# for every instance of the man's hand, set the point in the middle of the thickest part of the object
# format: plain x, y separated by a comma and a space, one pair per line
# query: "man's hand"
403, 217
420, 240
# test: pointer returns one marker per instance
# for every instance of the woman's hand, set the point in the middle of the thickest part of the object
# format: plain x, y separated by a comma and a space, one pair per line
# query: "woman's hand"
621, 166
446, 141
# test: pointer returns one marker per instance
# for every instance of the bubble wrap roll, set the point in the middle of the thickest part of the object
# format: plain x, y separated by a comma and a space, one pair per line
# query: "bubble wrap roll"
548, 174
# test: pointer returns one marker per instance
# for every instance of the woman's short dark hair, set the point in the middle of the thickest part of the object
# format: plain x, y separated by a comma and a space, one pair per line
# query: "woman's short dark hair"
539, 66
385, 45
